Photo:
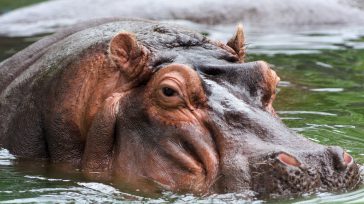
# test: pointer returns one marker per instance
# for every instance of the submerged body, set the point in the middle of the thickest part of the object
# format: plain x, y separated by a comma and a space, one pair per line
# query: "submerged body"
159, 107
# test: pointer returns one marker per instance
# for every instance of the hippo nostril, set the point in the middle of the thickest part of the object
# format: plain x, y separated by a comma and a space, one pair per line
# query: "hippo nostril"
347, 158
341, 158
288, 159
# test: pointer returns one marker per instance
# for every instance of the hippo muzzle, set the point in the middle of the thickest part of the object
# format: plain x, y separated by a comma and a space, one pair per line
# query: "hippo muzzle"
257, 151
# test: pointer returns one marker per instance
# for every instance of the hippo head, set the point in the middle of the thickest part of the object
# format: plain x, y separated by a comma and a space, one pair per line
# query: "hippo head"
191, 116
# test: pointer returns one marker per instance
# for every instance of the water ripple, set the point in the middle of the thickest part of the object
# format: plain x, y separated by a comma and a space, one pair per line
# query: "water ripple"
306, 112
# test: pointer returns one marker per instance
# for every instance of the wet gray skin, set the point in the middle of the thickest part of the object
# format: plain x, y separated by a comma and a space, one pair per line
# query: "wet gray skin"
250, 146
251, 142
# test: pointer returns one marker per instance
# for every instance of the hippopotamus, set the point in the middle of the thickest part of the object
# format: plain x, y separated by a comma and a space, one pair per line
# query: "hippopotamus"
156, 107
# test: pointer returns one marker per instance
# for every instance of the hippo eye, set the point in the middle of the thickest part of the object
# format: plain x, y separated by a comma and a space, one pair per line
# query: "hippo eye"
169, 92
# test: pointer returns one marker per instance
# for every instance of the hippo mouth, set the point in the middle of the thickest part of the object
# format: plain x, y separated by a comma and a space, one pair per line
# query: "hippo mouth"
276, 177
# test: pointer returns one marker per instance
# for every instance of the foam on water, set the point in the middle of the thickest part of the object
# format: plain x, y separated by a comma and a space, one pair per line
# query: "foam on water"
305, 112
5, 157
328, 90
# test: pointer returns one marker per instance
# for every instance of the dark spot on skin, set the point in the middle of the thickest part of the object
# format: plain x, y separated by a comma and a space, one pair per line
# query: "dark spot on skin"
229, 57
161, 29
213, 71
162, 60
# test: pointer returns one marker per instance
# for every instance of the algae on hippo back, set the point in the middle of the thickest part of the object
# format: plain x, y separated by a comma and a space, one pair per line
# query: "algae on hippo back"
159, 107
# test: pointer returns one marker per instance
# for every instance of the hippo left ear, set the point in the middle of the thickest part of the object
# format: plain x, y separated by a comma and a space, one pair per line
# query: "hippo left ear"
130, 57
237, 43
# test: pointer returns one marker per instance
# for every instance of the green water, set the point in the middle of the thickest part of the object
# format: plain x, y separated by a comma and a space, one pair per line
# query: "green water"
322, 96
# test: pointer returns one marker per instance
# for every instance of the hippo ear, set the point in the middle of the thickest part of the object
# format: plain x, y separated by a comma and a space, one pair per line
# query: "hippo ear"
237, 43
130, 56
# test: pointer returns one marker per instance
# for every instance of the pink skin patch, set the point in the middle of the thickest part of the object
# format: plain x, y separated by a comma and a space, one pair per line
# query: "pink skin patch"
288, 160
347, 158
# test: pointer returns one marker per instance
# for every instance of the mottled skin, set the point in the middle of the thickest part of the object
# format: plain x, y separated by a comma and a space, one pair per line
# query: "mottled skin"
158, 107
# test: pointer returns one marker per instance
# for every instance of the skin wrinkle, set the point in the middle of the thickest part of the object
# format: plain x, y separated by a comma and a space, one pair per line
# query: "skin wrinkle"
164, 176
178, 153
206, 151
91, 160
88, 100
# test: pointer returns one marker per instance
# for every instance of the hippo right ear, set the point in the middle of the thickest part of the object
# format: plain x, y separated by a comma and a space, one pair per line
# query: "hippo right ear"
130, 57
237, 43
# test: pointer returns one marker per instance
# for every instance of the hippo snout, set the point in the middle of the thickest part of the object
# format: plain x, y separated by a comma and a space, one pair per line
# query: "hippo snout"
341, 159
330, 169
258, 151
